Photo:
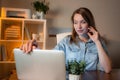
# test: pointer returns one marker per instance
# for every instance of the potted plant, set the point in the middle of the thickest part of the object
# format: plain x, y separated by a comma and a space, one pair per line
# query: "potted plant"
75, 69
41, 7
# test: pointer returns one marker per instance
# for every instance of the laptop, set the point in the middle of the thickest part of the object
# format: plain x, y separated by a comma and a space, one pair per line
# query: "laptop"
40, 65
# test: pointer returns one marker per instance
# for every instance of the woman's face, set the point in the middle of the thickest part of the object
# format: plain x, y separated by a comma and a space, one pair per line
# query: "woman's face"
80, 25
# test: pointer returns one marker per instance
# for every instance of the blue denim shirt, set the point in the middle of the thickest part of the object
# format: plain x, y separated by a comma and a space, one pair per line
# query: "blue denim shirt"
82, 51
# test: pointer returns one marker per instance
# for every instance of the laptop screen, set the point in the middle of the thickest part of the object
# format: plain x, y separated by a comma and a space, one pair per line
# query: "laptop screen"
40, 65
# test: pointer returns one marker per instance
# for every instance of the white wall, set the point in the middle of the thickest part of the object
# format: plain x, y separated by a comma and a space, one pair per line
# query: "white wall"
106, 13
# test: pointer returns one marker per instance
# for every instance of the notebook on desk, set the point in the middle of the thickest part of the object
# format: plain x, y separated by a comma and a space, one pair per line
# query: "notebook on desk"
40, 65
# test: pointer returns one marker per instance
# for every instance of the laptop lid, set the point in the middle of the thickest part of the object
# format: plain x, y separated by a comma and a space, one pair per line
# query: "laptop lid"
40, 65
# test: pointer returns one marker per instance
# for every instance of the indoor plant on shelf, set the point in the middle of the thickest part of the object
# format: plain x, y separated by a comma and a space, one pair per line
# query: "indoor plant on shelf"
41, 8
75, 69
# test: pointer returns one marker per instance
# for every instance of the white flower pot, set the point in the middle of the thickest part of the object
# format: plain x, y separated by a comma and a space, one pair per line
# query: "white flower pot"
42, 15
38, 15
74, 77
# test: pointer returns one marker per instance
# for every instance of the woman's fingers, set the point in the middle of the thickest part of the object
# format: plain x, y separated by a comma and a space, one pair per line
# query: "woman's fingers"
91, 31
89, 34
24, 48
21, 47
27, 47
93, 34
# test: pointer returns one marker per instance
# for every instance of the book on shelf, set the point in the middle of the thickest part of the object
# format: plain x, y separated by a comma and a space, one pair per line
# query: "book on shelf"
12, 32
3, 53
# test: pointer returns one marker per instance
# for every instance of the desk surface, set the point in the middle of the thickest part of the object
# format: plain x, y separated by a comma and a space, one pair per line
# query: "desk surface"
99, 75
89, 75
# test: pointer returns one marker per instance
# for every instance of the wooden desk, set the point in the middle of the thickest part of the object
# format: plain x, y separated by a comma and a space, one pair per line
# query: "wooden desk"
88, 75
99, 75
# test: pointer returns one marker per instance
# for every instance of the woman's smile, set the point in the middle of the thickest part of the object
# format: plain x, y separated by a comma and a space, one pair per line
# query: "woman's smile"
80, 30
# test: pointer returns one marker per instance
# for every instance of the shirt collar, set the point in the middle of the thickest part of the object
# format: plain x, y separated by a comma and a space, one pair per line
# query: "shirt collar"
90, 41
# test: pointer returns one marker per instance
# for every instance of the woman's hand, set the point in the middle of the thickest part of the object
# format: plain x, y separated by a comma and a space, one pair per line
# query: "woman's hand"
93, 34
29, 46
103, 57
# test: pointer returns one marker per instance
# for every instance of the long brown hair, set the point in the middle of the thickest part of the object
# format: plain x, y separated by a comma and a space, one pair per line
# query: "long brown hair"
87, 15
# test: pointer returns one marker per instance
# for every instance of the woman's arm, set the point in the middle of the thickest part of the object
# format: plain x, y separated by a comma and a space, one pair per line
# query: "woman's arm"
103, 57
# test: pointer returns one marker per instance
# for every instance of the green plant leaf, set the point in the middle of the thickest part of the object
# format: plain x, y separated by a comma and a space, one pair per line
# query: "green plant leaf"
40, 6
75, 67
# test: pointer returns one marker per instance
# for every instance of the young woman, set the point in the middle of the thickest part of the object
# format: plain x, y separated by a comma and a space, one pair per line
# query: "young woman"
85, 43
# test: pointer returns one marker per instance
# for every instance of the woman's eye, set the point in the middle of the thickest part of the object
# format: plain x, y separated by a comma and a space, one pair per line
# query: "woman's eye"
83, 22
75, 22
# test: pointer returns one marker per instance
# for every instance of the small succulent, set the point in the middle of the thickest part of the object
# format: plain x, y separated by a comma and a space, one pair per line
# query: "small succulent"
75, 67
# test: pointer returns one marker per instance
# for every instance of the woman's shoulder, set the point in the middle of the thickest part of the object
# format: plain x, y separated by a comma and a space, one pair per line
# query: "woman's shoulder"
67, 38
64, 42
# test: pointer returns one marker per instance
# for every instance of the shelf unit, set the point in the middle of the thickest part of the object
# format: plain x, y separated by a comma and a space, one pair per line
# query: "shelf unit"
16, 31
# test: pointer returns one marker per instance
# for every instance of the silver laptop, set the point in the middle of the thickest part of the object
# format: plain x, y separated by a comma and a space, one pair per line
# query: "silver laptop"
40, 65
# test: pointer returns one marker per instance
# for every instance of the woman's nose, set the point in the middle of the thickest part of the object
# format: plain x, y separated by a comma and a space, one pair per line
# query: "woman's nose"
79, 26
